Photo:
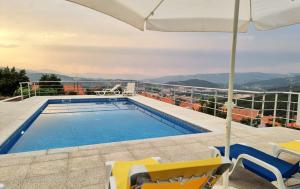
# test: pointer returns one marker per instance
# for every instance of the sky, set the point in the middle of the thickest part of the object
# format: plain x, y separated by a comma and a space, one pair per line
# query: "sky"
60, 36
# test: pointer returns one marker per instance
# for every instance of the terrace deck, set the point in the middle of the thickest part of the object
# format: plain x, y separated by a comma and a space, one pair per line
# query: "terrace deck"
83, 166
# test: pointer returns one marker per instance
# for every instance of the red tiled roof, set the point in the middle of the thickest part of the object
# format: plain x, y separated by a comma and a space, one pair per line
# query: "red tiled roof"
167, 100
196, 106
185, 104
239, 114
77, 88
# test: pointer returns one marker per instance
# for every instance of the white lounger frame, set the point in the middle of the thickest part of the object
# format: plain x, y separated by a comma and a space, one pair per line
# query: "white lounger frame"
277, 150
110, 182
130, 90
279, 182
113, 90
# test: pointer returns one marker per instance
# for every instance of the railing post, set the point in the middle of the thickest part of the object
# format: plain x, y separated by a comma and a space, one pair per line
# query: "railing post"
192, 96
174, 95
161, 91
216, 101
263, 105
137, 87
275, 109
21, 91
77, 87
151, 89
252, 108
29, 95
236, 100
288, 109
262, 108
34, 84
298, 111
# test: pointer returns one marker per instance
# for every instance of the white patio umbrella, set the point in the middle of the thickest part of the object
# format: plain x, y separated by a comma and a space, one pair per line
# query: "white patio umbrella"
202, 16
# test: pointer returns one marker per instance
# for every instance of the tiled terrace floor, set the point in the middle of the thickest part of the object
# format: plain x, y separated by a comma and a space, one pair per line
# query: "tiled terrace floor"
83, 167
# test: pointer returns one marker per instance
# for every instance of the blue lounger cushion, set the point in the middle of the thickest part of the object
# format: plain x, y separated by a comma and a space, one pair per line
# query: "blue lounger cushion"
287, 169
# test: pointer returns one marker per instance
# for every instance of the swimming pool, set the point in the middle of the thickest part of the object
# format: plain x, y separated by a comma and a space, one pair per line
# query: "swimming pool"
75, 122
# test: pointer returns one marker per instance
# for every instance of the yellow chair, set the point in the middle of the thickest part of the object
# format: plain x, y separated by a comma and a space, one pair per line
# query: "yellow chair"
292, 147
151, 174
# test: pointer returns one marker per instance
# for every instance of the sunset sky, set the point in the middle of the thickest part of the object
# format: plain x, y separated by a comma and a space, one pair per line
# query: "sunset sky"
64, 37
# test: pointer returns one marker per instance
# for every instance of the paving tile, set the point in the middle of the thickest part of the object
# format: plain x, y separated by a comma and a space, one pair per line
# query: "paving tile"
96, 186
185, 140
116, 145
13, 172
85, 162
125, 156
12, 184
50, 157
141, 145
163, 142
54, 181
60, 150
85, 177
82, 153
194, 147
246, 180
171, 151
145, 153
48, 167
111, 149
9, 161
29, 154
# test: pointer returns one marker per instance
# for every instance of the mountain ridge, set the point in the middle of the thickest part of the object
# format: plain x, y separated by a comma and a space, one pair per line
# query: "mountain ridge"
222, 78
195, 82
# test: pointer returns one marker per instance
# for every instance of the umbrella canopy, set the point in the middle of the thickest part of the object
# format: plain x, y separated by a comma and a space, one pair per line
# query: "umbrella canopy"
203, 16
198, 15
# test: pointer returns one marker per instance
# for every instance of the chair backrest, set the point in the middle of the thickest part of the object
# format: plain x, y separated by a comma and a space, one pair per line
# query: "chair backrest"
203, 173
115, 87
130, 87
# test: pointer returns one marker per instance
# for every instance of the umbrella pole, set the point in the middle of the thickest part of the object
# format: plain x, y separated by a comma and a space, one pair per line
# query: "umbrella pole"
230, 88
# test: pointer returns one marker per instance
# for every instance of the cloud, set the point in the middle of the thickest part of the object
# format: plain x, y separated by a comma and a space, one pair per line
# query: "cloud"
60, 35
8, 46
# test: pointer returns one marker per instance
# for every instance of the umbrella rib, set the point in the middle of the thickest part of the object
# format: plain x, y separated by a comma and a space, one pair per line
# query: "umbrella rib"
155, 8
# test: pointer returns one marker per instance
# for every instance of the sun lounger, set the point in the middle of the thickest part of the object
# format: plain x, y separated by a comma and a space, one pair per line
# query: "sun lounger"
150, 174
117, 172
292, 147
273, 169
130, 89
114, 90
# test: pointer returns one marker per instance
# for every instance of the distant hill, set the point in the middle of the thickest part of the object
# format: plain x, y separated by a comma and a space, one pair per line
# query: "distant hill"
222, 78
274, 84
37, 76
195, 82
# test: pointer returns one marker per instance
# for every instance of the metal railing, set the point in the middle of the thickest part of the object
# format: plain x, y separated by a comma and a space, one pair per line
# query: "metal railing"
255, 108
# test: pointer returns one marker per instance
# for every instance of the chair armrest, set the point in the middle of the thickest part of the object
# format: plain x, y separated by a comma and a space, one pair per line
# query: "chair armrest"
259, 162
108, 172
158, 159
214, 152
276, 150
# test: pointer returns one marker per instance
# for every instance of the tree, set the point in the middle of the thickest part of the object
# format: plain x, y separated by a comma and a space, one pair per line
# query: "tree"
246, 121
50, 85
10, 79
52, 78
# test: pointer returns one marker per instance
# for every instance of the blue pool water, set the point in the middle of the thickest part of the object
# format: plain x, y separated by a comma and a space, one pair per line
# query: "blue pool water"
65, 124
